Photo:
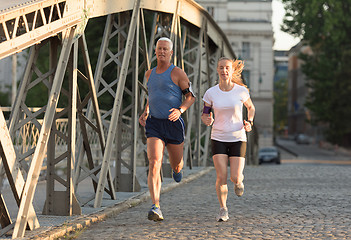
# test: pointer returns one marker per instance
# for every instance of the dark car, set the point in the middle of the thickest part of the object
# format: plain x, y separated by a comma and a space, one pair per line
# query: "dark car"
269, 154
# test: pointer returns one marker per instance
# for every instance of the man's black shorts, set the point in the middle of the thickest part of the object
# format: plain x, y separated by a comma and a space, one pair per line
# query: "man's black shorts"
166, 130
232, 149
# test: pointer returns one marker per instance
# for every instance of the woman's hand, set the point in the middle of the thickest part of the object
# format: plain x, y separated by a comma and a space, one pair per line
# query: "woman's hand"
247, 126
207, 119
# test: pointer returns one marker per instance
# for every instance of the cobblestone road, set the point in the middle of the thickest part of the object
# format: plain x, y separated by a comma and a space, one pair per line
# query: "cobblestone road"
287, 201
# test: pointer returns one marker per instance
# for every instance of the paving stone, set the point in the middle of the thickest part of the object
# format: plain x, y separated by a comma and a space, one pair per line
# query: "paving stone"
287, 201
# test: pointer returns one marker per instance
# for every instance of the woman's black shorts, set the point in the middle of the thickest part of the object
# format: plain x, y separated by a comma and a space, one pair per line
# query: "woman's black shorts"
232, 149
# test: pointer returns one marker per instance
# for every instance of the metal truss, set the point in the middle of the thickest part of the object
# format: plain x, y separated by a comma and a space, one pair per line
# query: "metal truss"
23, 25
109, 138
15, 177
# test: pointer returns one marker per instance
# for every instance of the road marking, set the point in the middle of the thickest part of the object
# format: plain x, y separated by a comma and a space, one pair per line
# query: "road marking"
337, 162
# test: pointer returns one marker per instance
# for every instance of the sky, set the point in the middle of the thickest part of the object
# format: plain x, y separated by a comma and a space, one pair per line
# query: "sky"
283, 41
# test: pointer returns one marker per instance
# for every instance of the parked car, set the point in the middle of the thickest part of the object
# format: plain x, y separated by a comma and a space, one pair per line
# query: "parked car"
302, 139
269, 154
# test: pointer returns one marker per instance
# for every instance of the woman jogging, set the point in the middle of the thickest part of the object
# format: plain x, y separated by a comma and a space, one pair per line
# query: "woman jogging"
228, 137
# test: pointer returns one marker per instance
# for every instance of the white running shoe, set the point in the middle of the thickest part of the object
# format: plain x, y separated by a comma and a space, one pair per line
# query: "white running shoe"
222, 215
239, 189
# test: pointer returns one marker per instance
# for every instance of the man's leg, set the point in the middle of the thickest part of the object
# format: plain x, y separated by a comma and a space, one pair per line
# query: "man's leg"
155, 148
175, 152
176, 160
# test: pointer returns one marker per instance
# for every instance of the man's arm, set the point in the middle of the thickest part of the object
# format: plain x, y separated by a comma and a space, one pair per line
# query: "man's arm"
145, 114
180, 78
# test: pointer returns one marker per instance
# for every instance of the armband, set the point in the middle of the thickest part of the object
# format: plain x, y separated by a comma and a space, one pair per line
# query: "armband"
188, 90
207, 109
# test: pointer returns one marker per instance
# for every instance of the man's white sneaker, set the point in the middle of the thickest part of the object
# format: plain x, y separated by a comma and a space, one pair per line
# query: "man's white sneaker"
239, 189
222, 215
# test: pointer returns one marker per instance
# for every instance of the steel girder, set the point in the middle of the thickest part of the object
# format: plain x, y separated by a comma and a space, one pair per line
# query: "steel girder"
45, 129
26, 24
15, 177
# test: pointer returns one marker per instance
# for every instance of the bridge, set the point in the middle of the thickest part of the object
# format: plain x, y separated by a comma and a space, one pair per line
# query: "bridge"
87, 127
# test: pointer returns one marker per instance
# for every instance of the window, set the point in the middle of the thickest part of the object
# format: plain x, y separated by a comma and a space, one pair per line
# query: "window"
210, 10
246, 77
245, 51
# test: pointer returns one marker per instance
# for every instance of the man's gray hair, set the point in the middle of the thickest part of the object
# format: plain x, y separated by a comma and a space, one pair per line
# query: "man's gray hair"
167, 40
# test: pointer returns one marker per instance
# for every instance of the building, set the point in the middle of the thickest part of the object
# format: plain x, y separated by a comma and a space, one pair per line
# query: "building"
280, 93
280, 65
298, 114
248, 26
7, 73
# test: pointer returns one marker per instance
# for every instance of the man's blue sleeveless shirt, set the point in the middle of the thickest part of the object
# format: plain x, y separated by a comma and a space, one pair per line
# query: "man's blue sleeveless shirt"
164, 94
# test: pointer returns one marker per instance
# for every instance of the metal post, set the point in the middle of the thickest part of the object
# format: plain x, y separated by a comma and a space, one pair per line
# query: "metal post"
33, 174
117, 105
14, 79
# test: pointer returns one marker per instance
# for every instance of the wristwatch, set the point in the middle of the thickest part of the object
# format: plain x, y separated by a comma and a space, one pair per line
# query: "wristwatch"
181, 110
251, 122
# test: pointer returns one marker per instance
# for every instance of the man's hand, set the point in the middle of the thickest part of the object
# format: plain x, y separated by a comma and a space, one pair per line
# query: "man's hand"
142, 118
174, 115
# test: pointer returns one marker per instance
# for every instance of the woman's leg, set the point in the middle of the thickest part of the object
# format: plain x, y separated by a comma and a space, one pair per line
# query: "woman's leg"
221, 164
237, 165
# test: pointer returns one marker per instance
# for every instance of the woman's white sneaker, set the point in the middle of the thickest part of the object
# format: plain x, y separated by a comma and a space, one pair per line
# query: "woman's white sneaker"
239, 189
222, 215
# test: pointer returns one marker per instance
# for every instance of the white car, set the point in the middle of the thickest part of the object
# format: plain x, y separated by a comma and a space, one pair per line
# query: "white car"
302, 139
268, 154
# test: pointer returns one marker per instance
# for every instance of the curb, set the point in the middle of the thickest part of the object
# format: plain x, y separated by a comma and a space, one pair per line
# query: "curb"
286, 149
110, 211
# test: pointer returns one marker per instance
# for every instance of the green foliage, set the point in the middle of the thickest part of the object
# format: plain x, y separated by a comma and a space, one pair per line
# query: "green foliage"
324, 25
280, 104
5, 97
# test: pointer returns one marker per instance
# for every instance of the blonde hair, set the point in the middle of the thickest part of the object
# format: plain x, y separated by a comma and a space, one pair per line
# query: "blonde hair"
238, 67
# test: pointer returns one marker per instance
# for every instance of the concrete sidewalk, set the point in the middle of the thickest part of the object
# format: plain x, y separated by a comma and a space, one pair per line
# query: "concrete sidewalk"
52, 227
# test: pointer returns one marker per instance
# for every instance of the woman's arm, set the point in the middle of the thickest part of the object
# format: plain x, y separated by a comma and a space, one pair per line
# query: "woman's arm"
250, 115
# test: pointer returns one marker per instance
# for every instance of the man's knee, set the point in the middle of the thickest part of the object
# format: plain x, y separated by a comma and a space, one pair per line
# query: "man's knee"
154, 165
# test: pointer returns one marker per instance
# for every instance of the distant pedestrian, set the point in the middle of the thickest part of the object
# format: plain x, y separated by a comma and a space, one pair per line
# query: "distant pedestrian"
228, 137
162, 120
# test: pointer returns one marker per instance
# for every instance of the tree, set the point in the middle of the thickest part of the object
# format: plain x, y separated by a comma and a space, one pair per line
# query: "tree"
324, 25
280, 104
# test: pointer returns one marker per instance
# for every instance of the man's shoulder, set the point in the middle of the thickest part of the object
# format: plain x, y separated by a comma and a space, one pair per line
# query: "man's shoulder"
148, 73
178, 74
177, 70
